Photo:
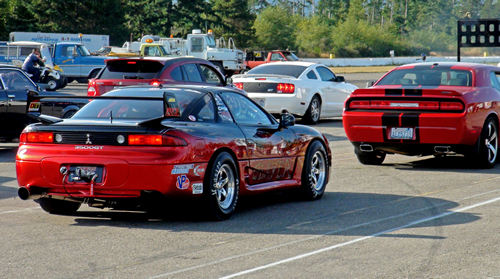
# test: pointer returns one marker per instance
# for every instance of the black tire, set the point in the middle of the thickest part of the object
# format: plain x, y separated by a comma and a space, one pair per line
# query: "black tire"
52, 84
315, 171
63, 82
484, 154
221, 195
313, 113
62, 207
369, 158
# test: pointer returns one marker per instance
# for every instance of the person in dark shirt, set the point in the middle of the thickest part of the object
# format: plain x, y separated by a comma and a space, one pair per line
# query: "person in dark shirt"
30, 62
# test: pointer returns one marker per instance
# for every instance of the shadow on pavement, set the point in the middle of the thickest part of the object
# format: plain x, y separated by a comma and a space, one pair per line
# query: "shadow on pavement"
282, 213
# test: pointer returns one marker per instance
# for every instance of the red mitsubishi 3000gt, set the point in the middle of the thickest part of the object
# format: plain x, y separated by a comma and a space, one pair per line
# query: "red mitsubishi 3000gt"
425, 109
210, 143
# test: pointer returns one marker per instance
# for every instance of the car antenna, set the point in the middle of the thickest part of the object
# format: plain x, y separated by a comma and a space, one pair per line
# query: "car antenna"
111, 116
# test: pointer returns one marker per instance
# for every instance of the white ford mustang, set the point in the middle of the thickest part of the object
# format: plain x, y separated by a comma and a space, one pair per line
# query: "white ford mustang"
308, 90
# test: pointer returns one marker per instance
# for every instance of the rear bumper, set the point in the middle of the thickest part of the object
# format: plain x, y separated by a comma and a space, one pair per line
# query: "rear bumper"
276, 103
120, 179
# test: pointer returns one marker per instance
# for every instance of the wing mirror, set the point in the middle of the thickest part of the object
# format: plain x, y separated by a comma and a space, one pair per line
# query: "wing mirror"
370, 83
339, 79
286, 119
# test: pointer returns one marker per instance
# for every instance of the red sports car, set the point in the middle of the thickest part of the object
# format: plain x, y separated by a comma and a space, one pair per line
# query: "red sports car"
210, 143
425, 109
154, 71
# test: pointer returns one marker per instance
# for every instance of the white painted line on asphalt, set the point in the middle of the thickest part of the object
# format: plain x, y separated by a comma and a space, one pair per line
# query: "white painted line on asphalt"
314, 237
19, 210
298, 257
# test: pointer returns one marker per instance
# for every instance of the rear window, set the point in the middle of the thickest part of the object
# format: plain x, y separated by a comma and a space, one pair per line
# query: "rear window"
428, 77
131, 69
134, 109
287, 70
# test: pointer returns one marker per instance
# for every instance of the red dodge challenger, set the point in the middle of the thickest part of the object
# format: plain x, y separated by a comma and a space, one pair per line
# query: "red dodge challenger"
133, 145
427, 109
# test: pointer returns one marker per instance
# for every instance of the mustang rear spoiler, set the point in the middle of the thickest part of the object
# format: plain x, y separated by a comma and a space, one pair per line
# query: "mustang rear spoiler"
34, 108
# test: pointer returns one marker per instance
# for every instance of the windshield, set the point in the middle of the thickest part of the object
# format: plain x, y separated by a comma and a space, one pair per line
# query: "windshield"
428, 77
210, 41
131, 69
283, 69
135, 109
290, 56
83, 50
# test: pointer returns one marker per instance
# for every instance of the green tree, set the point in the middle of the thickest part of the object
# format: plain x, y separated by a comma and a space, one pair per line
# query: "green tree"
313, 36
232, 19
143, 17
275, 28
188, 15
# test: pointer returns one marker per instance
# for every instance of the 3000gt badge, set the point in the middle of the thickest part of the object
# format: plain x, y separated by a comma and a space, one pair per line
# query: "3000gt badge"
182, 182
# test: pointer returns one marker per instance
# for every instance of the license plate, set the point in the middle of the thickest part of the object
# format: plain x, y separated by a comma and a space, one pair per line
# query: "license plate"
402, 133
261, 102
84, 174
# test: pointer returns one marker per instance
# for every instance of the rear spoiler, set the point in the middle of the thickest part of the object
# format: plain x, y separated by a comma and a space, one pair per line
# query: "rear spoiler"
262, 75
405, 91
34, 108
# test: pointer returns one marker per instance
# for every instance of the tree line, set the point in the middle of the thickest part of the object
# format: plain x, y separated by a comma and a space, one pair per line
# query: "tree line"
344, 28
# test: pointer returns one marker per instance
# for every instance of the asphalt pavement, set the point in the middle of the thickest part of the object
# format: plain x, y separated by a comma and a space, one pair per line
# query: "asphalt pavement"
412, 217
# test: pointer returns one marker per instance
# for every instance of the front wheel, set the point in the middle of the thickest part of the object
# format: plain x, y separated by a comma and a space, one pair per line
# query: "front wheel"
315, 171
221, 187
54, 206
52, 84
314, 111
485, 153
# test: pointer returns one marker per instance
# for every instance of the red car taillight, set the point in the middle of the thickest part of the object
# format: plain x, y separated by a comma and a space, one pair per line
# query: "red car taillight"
155, 140
155, 82
238, 85
405, 105
37, 137
92, 89
287, 88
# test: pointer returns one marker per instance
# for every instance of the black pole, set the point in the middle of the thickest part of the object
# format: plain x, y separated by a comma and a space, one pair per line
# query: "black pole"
459, 37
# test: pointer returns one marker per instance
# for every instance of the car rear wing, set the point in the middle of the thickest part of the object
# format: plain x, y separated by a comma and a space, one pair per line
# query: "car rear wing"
34, 106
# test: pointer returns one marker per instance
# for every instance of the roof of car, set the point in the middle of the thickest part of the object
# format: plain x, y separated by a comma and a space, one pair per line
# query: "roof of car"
9, 66
446, 64
141, 90
162, 60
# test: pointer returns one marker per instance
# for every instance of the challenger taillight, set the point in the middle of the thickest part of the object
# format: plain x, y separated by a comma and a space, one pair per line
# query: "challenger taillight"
238, 85
37, 137
155, 140
406, 105
285, 88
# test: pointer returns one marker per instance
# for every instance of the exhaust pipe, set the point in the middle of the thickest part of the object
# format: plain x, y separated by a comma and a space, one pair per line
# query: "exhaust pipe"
442, 149
25, 194
366, 147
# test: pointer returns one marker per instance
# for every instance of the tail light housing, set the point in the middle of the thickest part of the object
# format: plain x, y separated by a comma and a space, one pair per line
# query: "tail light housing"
92, 89
155, 82
434, 105
286, 88
165, 140
238, 85
36, 137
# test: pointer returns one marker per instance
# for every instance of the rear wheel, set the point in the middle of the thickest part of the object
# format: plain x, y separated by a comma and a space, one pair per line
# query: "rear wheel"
54, 206
314, 111
221, 187
369, 158
315, 171
486, 149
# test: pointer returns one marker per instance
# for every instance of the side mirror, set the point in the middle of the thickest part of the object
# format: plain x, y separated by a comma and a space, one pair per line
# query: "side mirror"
229, 80
340, 79
370, 83
286, 120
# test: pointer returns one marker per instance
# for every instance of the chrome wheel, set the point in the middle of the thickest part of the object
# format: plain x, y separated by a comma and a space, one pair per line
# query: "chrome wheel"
224, 187
315, 110
491, 142
317, 173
